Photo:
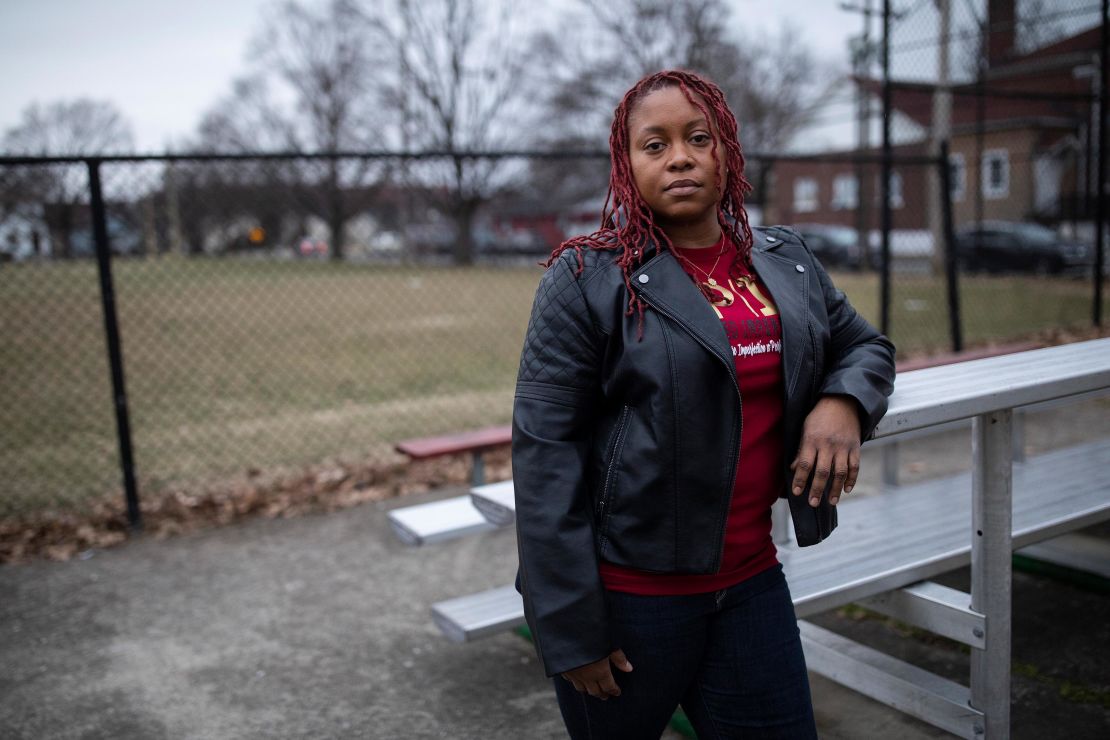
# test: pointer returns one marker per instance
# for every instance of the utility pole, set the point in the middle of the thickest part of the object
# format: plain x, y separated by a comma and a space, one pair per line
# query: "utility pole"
887, 159
884, 288
861, 59
863, 51
940, 131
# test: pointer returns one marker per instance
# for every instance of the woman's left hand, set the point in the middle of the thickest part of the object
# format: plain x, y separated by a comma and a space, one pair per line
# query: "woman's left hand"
829, 447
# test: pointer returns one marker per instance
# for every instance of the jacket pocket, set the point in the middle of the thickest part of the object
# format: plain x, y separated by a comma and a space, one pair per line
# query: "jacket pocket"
614, 447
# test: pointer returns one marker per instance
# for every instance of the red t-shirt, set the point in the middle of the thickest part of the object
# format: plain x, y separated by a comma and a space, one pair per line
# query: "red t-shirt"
751, 322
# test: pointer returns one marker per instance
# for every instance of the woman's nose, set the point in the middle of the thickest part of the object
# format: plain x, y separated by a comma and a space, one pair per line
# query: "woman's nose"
681, 158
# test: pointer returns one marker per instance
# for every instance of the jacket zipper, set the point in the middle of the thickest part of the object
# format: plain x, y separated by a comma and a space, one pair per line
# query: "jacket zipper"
615, 447
734, 457
813, 348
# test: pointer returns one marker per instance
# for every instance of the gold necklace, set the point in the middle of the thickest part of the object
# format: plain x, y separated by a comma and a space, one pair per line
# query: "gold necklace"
709, 275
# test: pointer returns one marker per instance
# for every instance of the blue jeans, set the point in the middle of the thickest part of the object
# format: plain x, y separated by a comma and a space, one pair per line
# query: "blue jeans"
731, 658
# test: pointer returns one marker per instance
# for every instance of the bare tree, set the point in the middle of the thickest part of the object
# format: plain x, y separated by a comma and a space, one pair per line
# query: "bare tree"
457, 88
1039, 24
51, 194
325, 61
771, 82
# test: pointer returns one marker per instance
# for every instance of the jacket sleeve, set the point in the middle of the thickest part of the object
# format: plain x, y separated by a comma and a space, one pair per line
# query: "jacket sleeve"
553, 413
861, 364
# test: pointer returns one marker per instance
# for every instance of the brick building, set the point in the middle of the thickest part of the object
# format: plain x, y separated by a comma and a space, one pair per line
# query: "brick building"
1026, 147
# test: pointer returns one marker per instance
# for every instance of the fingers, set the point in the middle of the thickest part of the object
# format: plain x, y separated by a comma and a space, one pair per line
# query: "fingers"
606, 687
821, 471
596, 679
833, 463
620, 661
802, 466
853, 470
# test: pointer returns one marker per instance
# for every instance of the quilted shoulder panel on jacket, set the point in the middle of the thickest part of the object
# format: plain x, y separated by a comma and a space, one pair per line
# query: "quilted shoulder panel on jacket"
560, 346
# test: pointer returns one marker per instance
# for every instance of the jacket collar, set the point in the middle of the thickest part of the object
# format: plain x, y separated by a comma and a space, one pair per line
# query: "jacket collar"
665, 285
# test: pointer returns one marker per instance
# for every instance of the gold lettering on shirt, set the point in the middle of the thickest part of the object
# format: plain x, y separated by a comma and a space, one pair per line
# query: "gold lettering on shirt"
727, 298
767, 309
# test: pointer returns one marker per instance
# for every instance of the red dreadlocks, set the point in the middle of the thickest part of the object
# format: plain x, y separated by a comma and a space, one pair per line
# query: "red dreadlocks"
627, 223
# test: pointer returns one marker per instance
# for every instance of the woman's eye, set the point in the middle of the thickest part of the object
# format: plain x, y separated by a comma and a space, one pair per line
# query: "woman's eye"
654, 146
700, 138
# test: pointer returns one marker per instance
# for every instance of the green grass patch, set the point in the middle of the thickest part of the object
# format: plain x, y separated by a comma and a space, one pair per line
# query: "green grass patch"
1072, 691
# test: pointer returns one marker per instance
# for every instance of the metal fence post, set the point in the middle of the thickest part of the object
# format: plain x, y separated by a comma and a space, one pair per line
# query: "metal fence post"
887, 156
991, 567
1100, 193
111, 334
954, 318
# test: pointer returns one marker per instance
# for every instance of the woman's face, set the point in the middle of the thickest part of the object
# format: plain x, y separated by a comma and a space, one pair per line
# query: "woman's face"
670, 149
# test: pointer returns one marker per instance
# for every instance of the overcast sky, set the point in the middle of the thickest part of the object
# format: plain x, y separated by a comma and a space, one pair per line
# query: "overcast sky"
163, 63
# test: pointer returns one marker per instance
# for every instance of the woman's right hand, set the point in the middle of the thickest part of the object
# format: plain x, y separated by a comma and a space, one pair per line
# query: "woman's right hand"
596, 679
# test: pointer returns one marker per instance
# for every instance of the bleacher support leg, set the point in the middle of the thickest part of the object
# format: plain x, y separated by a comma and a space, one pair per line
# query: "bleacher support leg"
890, 465
1019, 435
477, 469
992, 528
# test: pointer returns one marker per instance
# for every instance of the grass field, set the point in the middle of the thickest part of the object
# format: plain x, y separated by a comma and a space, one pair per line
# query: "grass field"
233, 365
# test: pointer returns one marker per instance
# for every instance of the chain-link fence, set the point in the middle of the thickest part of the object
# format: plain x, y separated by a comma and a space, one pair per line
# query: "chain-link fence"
273, 312
276, 311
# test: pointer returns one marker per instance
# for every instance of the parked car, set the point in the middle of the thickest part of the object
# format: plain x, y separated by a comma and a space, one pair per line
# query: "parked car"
835, 246
1013, 246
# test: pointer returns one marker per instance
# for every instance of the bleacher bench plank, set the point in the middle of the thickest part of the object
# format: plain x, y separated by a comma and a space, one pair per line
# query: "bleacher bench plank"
936, 395
883, 542
473, 441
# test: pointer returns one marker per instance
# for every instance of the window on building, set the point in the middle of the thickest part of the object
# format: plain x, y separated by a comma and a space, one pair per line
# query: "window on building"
896, 200
957, 175
805, 194
996, 174
845, 192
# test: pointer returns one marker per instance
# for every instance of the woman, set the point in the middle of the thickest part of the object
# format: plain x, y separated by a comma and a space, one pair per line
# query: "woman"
680, 372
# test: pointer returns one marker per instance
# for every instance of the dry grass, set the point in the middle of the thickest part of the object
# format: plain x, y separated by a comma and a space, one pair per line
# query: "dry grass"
235, 365
241, 365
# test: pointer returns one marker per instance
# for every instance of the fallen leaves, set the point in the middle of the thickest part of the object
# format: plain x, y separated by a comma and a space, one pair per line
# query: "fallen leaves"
330, 486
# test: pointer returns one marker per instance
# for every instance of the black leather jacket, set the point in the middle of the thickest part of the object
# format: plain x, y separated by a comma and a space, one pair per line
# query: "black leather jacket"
626, 450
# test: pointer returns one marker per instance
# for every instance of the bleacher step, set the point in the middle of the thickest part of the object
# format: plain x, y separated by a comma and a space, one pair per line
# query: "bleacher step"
437, 521
473, 616
883, 542
893, 682
1079, 552
495, 501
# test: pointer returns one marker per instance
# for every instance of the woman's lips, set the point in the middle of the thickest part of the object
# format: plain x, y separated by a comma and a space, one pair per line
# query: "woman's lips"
682, 187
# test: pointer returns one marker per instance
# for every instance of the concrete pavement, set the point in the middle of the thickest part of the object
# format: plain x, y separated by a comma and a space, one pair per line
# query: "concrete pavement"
319, 627
311, 627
